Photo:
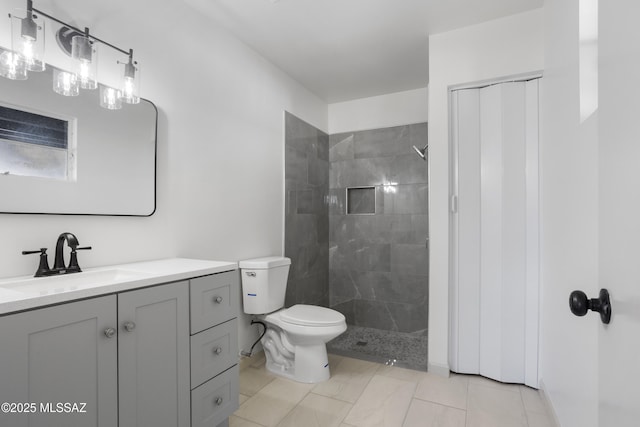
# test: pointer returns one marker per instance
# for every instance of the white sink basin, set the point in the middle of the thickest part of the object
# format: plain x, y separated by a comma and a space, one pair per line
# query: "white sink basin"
68, 282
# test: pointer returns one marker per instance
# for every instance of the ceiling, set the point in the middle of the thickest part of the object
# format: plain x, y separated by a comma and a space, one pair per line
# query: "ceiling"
349, 49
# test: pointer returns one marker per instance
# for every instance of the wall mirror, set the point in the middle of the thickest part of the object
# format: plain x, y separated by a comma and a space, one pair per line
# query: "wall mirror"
104, 163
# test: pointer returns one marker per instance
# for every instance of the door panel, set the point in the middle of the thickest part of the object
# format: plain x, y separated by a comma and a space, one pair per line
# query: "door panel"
154, 356
491, 220
57, 355
532, 209
619, 212
465, 352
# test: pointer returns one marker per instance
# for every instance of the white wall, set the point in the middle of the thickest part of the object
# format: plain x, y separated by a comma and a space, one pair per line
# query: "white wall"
220, 146
394, 109
569, 246
494, 49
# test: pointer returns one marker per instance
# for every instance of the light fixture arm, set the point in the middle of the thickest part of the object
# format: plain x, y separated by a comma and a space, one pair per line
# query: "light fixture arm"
92, 37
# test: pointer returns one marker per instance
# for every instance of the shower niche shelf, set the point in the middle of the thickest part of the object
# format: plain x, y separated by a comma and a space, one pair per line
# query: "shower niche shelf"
361, 200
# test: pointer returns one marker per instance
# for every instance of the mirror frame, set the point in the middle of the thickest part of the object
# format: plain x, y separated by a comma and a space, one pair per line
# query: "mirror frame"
145, 213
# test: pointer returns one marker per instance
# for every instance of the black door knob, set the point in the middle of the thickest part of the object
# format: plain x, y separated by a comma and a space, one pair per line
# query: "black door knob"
580, 304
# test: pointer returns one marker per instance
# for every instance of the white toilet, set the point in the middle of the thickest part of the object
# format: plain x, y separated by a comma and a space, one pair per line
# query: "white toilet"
295, 341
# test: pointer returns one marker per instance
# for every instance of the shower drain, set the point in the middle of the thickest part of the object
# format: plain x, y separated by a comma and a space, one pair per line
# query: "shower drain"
361, 343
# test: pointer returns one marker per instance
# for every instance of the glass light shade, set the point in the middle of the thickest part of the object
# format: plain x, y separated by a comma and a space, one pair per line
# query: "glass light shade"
84, 52
12, 66
110, 98
131, 83
27, 38
65, 83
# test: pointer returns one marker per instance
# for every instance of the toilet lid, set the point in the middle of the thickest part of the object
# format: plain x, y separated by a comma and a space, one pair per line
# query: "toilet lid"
311, 315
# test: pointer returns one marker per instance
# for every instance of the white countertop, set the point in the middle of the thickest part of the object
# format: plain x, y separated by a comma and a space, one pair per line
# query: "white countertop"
27, 292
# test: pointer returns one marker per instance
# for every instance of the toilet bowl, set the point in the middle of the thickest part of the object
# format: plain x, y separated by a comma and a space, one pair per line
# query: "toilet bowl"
295, 340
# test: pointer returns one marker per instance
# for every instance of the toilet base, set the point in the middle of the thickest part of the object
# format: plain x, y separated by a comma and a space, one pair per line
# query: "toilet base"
306, 364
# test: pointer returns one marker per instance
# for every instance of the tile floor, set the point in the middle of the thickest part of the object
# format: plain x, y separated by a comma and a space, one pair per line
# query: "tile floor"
363, 393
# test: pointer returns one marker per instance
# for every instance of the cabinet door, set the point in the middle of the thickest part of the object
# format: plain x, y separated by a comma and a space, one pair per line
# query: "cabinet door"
154, 356
61, 355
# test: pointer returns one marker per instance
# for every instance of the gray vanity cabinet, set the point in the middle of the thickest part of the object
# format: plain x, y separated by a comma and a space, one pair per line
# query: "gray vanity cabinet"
132, 359
153, 355
125, 356
62, 354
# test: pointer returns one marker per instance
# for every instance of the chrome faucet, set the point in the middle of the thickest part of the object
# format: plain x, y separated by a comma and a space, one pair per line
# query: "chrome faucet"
59, 267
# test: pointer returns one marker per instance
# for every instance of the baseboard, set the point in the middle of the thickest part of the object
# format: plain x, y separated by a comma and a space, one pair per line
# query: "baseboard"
552, 413
438, 369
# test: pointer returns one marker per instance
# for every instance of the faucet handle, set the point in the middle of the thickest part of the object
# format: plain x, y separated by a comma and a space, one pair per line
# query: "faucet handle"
84, 248
43, 267
40, 251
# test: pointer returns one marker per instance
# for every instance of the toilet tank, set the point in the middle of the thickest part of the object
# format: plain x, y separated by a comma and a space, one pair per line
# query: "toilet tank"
264, 284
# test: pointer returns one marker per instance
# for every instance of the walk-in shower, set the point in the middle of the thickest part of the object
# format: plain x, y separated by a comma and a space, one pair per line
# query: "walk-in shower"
356, 228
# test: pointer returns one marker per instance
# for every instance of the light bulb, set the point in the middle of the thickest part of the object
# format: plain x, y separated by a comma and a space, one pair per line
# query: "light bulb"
87, 81
27, 49
129, 92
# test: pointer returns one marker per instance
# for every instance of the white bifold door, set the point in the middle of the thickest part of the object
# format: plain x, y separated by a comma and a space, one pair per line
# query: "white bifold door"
494, 232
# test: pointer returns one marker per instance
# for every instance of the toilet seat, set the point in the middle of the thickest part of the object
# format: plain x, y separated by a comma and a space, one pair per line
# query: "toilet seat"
311, 315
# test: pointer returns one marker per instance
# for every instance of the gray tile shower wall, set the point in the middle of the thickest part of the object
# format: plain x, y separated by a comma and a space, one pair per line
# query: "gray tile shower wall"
306, 212
378, 264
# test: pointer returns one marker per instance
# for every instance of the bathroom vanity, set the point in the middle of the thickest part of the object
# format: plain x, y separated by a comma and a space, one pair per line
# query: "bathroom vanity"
144, 344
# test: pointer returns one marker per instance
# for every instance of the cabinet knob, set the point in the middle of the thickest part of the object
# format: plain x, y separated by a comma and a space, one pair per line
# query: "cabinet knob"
217, 299
217, 350
129, 326
109, 332
218, 401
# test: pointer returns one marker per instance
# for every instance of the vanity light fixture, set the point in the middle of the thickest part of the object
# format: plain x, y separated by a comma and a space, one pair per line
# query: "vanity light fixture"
27, 54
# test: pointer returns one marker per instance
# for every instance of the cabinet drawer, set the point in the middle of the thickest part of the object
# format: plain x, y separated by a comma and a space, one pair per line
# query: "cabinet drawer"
214, 401
214, 299
213, 351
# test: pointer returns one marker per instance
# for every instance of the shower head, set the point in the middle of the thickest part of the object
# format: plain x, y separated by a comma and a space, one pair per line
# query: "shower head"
422, 152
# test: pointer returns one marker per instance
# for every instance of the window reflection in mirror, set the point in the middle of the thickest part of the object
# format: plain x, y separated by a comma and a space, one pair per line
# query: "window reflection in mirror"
36, 144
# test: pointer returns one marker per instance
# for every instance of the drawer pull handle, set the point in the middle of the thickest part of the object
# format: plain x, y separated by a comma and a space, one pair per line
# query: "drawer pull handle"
129, 326
217, 350
219, 401
251, 273
218, 299
109, 332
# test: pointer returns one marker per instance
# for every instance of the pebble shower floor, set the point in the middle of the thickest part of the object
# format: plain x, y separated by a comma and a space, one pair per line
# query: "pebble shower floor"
401, 349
